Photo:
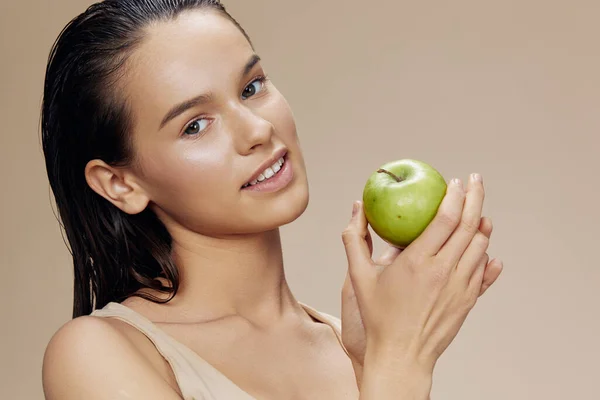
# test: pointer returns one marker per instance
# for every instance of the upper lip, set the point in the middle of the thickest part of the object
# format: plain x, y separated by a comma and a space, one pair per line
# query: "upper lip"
267, 163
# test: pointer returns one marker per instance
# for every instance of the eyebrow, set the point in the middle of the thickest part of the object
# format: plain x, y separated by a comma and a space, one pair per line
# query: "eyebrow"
203, 98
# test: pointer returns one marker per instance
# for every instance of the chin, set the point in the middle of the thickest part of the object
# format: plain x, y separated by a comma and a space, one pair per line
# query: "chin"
295, 208
284, 209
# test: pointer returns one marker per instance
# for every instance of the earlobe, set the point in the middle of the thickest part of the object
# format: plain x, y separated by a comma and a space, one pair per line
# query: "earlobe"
116, 186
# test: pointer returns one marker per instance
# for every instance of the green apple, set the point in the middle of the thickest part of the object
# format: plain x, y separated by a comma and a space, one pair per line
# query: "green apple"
401, 198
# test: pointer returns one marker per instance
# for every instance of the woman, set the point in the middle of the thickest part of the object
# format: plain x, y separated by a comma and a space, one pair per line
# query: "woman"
174, 161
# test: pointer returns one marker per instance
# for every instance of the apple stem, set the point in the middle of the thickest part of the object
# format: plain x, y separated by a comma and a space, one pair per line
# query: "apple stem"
397, 178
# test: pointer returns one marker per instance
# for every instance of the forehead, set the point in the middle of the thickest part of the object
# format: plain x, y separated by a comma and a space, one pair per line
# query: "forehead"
183, 57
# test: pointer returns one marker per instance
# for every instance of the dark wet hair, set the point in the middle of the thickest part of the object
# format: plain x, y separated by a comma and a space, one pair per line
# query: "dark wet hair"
83, 118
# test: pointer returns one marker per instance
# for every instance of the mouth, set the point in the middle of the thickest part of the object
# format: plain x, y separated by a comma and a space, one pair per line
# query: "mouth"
269, 173
269, 168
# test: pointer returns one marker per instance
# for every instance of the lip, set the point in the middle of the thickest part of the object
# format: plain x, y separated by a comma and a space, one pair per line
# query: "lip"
276, 183
270, 161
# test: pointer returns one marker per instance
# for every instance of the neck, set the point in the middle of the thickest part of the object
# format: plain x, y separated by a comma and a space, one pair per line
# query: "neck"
240, 275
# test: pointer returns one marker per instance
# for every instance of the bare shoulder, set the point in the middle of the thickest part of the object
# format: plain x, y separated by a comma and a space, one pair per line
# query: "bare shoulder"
93, 358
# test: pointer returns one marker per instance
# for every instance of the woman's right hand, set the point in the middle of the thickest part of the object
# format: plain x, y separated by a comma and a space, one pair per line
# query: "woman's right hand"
413, 308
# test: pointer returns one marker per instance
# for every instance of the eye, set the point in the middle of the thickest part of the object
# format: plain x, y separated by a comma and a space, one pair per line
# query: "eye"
256, 86
197, 126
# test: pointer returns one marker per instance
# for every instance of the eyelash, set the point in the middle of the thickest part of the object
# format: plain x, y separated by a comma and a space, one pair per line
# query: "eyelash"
263, 79
260, 78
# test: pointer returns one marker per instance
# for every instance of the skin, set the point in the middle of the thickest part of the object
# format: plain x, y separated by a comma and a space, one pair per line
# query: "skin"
226, 241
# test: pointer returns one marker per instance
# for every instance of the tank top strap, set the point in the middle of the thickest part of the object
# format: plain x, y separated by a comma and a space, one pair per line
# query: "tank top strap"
328, 319
196, 378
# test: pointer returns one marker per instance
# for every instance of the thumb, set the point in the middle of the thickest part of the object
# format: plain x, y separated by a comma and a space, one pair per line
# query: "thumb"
354, 237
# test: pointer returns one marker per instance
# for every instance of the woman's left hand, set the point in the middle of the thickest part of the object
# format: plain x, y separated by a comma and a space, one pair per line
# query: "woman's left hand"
353, 331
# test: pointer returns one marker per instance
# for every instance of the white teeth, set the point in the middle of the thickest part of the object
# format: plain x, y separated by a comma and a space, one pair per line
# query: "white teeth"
267, 173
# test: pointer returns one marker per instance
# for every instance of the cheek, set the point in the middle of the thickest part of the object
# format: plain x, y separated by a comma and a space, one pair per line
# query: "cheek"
186, 173
281, 116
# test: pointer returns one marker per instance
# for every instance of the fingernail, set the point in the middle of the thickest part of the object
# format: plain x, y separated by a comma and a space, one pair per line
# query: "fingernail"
477, 177
354, 208
456, 181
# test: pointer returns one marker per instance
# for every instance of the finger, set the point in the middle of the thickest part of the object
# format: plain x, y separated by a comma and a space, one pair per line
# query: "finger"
348, 294
444, 223
352, 326
475, 282
347, 290
472, 255
369, 240
388, 256
360, 265
469, 224
486, 227
491, 274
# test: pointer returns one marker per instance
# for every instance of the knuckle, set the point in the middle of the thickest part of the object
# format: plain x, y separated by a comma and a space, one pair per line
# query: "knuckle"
469, 225
448, 218
411, 257
481, 240
347, 235
471, 301
439, 277
470, 297
485, 259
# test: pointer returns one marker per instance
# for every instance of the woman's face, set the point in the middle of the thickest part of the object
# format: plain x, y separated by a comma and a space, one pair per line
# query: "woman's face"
205, 120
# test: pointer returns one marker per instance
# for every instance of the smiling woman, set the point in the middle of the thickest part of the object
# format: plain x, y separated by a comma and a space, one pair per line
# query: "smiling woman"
169, 132
174, 160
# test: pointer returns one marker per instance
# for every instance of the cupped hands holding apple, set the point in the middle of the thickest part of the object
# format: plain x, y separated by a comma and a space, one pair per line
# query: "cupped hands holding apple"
407, 306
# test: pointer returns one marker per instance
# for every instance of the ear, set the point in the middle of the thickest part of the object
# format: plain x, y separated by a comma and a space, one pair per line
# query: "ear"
117, 186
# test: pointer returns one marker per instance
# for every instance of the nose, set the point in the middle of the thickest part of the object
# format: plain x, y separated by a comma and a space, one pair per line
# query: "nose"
249, 129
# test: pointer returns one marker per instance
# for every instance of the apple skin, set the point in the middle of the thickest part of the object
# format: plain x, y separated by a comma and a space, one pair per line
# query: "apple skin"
399, 212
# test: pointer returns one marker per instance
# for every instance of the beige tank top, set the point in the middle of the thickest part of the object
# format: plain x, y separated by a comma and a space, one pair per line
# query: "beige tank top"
197, 379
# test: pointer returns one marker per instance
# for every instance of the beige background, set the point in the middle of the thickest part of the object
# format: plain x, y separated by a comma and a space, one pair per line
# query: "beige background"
508, 88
